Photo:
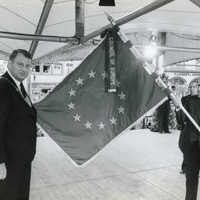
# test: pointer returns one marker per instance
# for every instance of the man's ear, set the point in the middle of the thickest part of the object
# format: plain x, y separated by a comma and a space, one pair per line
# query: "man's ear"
9, 64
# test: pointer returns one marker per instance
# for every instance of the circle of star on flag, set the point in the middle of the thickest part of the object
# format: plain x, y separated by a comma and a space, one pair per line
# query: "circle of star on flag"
88, 124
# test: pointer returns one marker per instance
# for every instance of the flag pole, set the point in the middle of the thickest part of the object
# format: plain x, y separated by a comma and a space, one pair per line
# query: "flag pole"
148, 67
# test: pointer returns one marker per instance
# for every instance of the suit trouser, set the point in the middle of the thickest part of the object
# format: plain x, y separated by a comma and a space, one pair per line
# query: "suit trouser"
183, 165
192, 161
16, 186
180, 144
163, 121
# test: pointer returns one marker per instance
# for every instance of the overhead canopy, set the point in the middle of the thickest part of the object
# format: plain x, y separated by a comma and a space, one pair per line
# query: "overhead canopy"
181, 48
22, 16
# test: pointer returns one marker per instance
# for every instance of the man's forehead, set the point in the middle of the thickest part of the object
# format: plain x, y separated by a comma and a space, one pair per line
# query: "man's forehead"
21, 57
193, 84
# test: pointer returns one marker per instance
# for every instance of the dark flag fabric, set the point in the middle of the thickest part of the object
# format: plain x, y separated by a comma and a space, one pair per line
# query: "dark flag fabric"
82, 117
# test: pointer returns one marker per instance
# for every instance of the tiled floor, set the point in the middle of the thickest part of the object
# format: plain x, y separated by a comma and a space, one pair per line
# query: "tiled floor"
139, 165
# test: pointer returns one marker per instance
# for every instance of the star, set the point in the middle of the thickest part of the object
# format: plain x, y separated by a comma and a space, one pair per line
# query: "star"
79, 81
71, 106
101, 125
103, 75
72, 92
113, 120
88, 125
77, 117
121, 110
117, 83
122, 96
92, 74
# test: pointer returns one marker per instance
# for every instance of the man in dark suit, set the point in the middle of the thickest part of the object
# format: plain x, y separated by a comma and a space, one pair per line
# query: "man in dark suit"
190, 146
181, 118
17, 129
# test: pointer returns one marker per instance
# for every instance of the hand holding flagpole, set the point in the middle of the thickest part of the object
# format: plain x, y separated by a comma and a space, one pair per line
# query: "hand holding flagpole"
148, 67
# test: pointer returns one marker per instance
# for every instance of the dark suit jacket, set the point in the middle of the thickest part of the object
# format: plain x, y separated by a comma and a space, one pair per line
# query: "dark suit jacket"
17, 124
180, 116
189, 134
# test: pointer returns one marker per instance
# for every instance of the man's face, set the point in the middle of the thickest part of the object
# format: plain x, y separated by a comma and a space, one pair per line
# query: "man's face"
198, 89
20, 67
193, 89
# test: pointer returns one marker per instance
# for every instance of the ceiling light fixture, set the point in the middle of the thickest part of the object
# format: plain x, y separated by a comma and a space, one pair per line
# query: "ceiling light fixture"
107, 3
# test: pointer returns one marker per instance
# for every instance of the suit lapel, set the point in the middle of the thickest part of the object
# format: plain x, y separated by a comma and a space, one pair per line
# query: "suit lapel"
9, 78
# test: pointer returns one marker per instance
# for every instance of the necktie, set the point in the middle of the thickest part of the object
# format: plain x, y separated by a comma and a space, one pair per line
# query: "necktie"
24, 94
23, 91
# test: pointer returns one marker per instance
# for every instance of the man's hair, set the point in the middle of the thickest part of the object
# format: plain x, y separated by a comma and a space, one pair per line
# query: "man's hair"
18, 51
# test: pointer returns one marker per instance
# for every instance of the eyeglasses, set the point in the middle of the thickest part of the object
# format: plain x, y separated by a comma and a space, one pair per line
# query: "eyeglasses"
193, 86
21, 65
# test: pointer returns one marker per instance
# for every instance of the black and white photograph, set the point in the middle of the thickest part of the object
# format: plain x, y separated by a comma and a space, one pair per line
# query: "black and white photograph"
99, 99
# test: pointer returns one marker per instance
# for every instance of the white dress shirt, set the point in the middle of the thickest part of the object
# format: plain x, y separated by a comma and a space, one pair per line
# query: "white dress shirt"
15, 80
27, 99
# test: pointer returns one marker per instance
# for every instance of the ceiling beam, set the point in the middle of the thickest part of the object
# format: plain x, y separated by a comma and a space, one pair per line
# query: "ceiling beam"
47, 38
175, 49
42, 21
196, 2
80, 18
179, 49
138, 13
79, 52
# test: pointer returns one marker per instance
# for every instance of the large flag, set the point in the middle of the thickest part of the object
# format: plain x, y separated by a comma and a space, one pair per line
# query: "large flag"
82, 117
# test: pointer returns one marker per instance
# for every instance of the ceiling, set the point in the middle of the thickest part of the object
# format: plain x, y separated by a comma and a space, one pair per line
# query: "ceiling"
22, 16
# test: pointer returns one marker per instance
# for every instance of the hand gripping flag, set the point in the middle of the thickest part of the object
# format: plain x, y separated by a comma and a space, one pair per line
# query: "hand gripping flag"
82, 116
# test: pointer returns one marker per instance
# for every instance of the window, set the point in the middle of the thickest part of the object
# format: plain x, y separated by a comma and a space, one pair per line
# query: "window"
57, 69
36, 68
46, 69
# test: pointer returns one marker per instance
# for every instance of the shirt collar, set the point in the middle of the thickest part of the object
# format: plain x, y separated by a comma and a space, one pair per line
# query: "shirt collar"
15, 80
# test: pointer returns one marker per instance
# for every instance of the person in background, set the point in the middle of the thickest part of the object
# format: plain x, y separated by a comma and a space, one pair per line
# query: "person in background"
163, 112
17, 129
163, 117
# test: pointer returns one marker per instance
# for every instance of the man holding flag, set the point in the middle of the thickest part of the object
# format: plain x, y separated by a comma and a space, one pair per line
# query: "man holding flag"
189, 144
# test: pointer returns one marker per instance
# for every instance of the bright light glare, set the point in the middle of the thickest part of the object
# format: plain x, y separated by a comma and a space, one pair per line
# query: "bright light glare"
150, 51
